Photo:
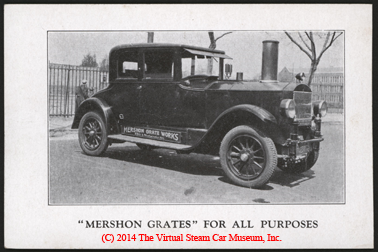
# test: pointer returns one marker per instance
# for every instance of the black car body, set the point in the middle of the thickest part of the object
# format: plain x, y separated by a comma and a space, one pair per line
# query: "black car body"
160, 97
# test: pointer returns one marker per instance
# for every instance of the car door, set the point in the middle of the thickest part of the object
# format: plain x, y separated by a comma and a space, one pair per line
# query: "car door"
126, 87
172, 105
163, 100
126, 102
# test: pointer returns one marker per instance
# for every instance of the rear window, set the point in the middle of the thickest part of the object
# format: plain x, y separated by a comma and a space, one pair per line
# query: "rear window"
128, 65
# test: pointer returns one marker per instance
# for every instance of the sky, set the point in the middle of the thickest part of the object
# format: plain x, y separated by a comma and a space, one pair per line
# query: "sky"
245, 47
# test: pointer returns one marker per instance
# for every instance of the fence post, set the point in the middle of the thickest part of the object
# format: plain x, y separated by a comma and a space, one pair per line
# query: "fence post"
67, 92
61, 89
51, 93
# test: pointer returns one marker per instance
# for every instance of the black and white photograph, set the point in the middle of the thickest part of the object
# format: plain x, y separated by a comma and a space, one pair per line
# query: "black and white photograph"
203, 126
202, 117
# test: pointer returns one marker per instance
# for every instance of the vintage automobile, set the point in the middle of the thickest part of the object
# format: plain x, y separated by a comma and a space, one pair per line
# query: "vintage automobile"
164, 96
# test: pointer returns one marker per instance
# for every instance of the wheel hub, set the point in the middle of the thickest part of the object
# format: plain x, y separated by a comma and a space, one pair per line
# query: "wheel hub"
244, 157
92, 132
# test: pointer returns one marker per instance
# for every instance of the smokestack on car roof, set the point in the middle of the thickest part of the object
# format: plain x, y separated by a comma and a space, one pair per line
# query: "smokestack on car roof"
269, 61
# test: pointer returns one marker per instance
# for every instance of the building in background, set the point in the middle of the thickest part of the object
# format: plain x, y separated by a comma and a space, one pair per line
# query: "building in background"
286, 76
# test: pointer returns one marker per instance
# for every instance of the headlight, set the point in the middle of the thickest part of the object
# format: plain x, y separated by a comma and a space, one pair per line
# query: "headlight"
320, 108
287, 108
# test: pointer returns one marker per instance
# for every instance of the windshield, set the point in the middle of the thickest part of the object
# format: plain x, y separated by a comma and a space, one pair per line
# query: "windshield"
200, 65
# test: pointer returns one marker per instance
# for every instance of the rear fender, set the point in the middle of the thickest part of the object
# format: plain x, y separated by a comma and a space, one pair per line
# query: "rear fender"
100, 106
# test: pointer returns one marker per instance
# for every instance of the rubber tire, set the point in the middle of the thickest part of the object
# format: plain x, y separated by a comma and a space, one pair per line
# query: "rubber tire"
302, 167
104, 143
269, 148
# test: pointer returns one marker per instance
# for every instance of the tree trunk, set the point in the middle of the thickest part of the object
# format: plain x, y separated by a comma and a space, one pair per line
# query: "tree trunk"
213, 45
314, 66
210, 60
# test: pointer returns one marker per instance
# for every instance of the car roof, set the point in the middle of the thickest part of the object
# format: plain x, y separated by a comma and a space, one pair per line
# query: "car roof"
163, 45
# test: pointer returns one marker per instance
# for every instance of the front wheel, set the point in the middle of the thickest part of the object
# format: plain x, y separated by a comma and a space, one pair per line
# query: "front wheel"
93, 137
248, 157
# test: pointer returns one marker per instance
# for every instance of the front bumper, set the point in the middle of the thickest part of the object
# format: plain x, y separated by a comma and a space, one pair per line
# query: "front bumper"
296, 149
299, 149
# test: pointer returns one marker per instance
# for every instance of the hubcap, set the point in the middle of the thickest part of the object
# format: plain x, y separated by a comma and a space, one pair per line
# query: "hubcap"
246, 157
92, 132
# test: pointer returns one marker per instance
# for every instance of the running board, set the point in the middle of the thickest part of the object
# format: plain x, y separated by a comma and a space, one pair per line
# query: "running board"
155, 143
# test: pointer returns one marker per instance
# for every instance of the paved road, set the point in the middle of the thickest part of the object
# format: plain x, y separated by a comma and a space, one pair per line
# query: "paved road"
125, 174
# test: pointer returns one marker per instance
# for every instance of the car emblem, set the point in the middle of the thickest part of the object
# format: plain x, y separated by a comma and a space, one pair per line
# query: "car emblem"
120, 116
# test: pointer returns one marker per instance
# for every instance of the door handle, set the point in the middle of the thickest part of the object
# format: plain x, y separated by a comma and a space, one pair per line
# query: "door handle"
140, 87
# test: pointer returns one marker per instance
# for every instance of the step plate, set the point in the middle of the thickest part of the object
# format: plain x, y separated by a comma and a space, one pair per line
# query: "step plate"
159, 144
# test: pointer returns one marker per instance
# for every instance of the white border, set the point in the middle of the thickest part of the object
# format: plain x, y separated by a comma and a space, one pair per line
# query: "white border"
31, 223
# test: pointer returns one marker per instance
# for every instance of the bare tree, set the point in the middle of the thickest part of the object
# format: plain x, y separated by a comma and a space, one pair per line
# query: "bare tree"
213, 45
309, 48
89, 61
104, 65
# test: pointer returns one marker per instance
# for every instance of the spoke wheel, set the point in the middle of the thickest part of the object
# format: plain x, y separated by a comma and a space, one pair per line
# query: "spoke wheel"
248, 157
92, 134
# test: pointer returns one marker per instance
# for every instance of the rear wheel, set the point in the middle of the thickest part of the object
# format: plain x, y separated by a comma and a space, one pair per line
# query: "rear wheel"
248, 157
93, 137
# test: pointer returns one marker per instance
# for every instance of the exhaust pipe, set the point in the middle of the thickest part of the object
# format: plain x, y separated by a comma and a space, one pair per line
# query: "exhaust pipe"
269, 61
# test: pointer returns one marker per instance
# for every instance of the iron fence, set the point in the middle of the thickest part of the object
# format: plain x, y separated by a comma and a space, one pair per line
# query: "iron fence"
63, 80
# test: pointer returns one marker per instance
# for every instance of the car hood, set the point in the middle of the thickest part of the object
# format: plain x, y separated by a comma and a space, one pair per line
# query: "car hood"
252, 86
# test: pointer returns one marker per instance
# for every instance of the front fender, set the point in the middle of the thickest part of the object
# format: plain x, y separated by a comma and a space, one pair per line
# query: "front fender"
247, 114
244, 114
100, 106
262, 114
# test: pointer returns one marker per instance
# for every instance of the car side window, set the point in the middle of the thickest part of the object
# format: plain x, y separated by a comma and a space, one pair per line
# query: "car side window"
130, 69
128, 65
199, 65
158, 65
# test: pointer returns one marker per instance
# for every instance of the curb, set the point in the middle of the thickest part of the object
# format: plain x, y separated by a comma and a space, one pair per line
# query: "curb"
61, 129
61, 132
333, 122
